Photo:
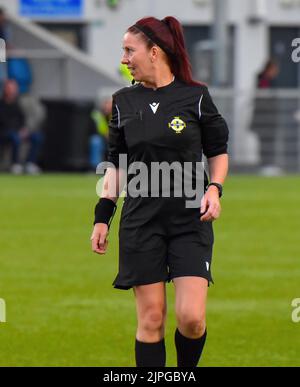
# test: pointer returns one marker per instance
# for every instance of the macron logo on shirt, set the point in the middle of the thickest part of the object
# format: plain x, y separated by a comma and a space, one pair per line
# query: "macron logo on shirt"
154, 106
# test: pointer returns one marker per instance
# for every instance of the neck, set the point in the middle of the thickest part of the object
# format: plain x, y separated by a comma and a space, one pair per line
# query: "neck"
159, 80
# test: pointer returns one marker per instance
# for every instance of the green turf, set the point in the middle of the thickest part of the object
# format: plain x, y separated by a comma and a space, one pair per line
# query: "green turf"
63, 311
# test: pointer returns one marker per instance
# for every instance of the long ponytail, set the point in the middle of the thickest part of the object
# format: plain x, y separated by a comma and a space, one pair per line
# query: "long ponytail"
181, 64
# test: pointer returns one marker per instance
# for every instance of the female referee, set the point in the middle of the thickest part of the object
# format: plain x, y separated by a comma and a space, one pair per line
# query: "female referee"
165, 117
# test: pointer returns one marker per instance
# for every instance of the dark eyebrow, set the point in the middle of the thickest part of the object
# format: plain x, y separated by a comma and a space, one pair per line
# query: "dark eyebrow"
130, 47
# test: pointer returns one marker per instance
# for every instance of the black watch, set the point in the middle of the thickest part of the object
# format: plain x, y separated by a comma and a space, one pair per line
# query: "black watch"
219, 186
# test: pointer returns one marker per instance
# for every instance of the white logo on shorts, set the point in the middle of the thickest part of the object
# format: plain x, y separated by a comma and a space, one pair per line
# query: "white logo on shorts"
207, 266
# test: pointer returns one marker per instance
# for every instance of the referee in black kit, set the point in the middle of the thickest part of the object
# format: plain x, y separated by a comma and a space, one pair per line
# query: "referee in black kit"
165, 117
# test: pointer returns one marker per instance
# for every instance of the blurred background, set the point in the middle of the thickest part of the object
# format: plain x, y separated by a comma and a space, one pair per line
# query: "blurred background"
59, 65
66, 55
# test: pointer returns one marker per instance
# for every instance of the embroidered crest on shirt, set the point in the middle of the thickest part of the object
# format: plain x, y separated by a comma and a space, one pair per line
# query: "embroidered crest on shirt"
154, 106
177, 124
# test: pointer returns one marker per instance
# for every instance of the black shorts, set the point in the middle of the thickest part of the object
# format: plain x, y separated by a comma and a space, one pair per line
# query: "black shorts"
165, 244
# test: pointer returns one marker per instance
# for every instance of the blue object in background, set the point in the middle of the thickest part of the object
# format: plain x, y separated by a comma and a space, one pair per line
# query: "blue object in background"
50, 8
96, 150
19, 70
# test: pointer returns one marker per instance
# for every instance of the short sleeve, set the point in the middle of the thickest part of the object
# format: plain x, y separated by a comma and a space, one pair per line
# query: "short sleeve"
116, 139
213, 126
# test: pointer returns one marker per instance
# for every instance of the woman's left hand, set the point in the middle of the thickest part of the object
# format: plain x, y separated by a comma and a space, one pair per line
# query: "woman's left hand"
210, 205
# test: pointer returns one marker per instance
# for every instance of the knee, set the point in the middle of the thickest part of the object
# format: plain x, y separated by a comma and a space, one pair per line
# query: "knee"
193, 324
153, 320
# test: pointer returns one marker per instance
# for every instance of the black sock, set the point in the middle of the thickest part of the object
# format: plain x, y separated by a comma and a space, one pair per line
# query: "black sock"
188, 350
150, 354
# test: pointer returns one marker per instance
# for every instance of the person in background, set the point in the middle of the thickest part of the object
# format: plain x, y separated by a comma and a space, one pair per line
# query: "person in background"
101, 116
4, 35
35, 115
267, 134
125, 73
266, 78
14, 132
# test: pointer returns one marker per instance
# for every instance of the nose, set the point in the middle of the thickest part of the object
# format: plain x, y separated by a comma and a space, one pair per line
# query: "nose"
124, 60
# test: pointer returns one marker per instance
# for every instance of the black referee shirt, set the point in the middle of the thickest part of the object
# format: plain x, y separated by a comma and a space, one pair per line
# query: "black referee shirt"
177, 122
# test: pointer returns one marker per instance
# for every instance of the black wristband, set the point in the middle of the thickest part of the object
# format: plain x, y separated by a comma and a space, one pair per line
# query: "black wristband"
104, 211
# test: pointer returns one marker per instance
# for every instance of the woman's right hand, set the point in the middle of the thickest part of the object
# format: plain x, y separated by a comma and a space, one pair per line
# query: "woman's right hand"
98, 238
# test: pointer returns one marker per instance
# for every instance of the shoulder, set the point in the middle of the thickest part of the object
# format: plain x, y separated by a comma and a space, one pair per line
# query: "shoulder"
200, 89
197, 89
125, 91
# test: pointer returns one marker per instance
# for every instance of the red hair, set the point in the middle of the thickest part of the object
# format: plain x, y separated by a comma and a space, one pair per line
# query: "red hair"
168, 32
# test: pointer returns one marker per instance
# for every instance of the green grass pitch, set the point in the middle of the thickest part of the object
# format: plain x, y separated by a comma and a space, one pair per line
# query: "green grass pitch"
62, 309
